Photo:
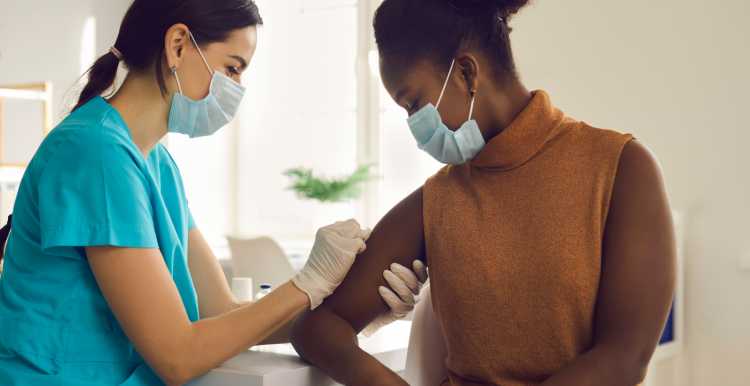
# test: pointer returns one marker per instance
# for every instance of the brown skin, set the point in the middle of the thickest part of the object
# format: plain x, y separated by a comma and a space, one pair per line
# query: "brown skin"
638, 255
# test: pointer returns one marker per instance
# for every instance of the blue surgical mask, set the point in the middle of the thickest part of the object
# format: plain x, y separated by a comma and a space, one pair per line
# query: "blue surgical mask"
206, 116
446, 146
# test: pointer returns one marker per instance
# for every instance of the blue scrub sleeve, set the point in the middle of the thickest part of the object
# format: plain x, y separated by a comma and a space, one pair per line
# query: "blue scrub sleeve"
94, 191
191, 221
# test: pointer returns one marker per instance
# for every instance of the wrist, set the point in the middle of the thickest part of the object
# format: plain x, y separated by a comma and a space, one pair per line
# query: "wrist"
312, 287
303, 296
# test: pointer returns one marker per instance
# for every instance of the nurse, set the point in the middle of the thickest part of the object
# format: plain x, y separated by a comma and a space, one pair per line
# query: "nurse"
107, 279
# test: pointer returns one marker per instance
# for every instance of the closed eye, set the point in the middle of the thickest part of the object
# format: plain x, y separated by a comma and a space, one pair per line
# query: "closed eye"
414, 106
233, 70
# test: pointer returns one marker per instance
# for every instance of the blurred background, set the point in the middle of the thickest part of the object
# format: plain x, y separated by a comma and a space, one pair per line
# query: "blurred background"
676, 74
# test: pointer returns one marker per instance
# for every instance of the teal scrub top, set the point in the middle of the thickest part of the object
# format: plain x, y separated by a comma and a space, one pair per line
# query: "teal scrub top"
88, 184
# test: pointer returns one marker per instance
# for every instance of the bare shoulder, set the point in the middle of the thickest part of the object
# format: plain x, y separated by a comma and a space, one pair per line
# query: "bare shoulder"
397, 238
639, 176
639, 208
411, 204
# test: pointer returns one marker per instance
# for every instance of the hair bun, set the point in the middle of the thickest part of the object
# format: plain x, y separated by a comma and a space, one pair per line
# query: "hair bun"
507, 7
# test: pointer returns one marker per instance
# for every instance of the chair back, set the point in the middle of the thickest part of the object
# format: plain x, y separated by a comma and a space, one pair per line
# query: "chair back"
261, 259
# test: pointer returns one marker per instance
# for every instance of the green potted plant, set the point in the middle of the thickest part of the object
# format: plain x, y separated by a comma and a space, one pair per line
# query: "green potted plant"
334, 195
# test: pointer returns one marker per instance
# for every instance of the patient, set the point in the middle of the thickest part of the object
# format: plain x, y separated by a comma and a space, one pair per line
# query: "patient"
550, 243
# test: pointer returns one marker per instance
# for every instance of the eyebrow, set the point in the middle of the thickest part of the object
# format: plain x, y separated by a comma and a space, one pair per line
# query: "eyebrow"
243, 63
401, 93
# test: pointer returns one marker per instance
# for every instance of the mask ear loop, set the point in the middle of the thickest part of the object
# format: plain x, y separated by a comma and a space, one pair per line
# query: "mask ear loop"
446, 83
201, 54
174, 71
473, 91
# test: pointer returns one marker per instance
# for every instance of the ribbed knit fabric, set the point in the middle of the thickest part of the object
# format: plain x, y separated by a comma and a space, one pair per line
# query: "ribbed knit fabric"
514, 244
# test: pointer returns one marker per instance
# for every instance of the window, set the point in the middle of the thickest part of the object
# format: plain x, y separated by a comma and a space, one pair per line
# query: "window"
300, 110
314, 99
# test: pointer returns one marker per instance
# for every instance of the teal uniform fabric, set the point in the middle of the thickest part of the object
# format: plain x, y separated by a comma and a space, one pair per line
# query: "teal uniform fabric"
88, 184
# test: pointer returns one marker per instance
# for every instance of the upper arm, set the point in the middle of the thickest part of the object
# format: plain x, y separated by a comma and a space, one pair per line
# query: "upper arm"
143, 297
638, 258
397, 238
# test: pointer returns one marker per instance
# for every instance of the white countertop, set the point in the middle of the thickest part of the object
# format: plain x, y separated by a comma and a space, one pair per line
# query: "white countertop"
279, 365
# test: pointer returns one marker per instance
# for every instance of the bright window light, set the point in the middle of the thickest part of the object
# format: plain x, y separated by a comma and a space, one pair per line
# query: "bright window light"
88, 44
374, 61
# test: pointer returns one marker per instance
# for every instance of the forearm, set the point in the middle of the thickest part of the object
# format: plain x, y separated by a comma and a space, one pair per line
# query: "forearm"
281, 335
327, 341
602, 366
213, 341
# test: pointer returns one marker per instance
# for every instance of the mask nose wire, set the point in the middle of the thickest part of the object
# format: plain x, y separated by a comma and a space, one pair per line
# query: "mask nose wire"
446, 83
201, 54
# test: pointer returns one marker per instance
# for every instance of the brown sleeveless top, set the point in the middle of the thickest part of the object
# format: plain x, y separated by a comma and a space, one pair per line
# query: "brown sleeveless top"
514, 245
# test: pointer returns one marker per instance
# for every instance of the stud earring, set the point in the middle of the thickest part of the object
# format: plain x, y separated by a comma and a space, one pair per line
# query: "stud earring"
473, 91
174, 69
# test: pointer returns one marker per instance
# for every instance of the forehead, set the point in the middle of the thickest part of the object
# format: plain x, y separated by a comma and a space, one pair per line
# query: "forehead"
240, 42
397, 77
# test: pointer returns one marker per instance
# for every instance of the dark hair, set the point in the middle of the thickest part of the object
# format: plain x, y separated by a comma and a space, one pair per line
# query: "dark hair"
436, 30
4, 233
142, 32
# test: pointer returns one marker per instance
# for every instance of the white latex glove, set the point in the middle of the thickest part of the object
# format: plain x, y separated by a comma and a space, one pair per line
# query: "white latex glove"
407, 285
333, 254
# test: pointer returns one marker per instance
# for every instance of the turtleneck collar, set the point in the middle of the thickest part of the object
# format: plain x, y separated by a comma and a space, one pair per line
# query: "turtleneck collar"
524, 137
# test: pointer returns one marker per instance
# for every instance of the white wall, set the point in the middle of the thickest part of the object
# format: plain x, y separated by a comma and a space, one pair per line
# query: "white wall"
47, 40
42, 40
677, 75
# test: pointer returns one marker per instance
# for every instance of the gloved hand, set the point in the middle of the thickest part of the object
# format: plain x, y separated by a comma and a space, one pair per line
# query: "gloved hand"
333, 254
407, 285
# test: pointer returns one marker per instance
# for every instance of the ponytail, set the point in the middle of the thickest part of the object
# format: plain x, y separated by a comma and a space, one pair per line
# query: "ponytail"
4, 233
101, 75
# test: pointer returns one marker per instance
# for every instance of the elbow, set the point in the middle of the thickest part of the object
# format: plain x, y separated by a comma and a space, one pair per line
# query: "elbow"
630, 365
175, 370
171, 374
299, 336
640, 364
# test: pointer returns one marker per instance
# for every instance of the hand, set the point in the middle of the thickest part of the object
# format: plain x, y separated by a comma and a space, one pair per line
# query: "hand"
408, 285
333, 254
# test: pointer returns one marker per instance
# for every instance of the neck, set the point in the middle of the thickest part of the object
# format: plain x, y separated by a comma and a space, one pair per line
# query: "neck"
502, 107
144, 109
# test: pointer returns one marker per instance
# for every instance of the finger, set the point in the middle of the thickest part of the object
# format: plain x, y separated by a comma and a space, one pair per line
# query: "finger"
365, 233
398, 285
407, 276
350, 229
421, 270
355, 245
390, 298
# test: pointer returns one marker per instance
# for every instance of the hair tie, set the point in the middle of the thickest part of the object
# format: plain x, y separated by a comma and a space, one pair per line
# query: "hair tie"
117, 53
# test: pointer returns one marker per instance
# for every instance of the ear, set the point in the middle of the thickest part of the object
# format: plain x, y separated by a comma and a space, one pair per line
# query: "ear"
178, 36
468, 68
